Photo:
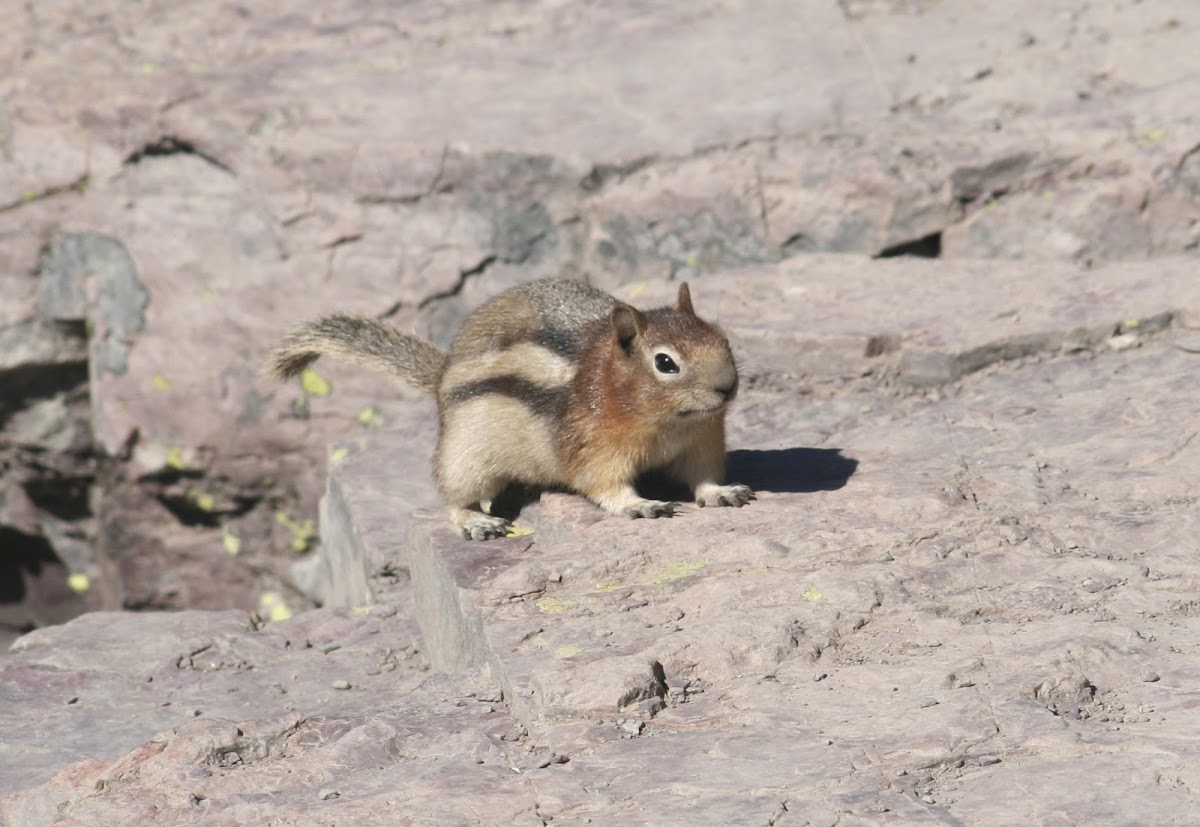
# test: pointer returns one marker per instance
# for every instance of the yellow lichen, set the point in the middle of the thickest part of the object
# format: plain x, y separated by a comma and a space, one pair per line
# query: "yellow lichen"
555, 605
813, 595
313, 383
517, 531
79, 583
160, 383
175, 458
370, 418
302, 533
231, 540
272, 606
568, 651
676, 570
339, 454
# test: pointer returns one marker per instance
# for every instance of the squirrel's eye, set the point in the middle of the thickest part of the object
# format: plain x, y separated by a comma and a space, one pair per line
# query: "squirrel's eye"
665, 364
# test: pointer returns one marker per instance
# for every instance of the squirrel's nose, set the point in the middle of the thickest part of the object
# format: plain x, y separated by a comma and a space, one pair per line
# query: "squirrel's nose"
727, 390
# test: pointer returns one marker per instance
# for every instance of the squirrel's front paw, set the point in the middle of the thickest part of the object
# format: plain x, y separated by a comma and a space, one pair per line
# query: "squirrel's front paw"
718, 495
478, 526
650, 509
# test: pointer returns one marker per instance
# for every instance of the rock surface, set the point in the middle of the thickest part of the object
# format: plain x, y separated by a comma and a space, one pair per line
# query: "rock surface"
964, 594
217, 174
962, 604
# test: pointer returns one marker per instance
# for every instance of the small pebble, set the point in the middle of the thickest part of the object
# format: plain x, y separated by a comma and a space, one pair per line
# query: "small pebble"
340, 684
820, 676
928, 702
988, 760
676, 614
1150, 677
1124, 341
326, 648
327, 794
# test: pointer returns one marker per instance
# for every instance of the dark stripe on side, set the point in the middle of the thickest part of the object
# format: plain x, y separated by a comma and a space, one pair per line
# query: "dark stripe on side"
558, 341
549, 403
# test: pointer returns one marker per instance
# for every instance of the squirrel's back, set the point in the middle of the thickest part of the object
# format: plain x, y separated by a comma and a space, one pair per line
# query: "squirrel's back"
526, 344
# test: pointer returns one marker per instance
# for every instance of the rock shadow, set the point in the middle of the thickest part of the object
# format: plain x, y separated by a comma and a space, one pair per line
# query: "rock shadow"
792, 470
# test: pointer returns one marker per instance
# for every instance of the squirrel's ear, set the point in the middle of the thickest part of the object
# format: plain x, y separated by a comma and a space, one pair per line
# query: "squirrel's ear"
685, 300
627, 323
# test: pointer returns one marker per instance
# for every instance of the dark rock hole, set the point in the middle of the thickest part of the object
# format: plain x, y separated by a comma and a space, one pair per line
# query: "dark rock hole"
929, 246
170, 145
798, 243
64, 497
20, 385
189, 513
166, 145
21, 554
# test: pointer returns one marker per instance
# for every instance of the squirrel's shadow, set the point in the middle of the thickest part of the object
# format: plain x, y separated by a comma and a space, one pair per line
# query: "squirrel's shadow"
781, 470
792, 470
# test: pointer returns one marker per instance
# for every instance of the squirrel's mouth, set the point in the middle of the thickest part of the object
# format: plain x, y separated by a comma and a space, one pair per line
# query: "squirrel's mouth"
698, 413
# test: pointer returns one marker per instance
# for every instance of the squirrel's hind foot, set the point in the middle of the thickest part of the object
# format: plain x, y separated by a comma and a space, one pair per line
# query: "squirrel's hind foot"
475, 525
714, 496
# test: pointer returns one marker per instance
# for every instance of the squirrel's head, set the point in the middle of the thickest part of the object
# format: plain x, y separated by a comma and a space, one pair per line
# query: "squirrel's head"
677, 364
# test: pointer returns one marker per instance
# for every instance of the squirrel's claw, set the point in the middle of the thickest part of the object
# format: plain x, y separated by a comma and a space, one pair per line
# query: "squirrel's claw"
650, 509
483, 527
724, 495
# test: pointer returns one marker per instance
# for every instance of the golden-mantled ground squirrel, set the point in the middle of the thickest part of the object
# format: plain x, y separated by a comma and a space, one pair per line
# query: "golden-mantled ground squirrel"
557, 383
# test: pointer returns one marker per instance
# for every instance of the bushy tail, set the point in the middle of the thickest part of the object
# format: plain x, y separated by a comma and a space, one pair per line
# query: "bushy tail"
364, 341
